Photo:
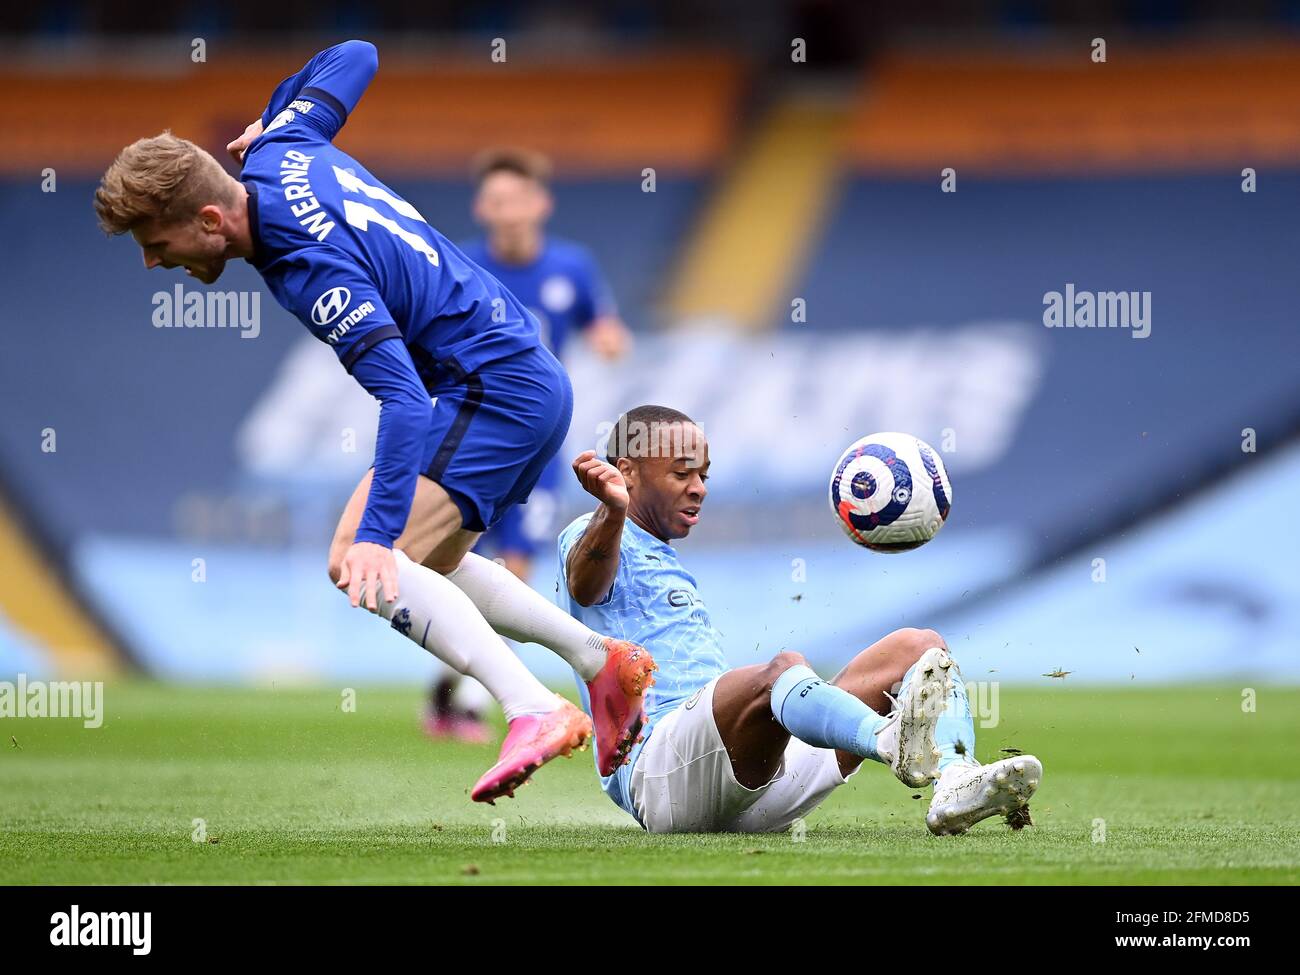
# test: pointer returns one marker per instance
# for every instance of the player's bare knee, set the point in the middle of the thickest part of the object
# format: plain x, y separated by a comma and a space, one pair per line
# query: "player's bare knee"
442, 567
911, 642
750, 694
778, 665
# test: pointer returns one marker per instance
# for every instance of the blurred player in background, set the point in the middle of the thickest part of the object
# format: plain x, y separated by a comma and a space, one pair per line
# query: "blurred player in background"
752, 749
561, 284
473, 405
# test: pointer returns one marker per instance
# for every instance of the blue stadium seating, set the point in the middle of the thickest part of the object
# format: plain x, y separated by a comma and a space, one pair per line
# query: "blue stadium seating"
143, 415
1118, 424
1112, 429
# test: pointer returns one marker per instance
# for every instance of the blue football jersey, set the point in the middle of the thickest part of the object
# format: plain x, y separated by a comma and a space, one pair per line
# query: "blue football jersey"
654, 602
562, 287
350, 258
359, 265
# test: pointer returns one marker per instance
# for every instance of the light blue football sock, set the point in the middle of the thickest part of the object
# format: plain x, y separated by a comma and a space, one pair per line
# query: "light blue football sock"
954, 732
824, 715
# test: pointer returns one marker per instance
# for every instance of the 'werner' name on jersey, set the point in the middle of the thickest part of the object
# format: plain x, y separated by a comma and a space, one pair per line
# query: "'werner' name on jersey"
293, 177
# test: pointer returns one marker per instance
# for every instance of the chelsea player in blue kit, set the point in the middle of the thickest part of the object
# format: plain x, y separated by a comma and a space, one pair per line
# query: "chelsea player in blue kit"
752, 749
560, 282
473, 405
557, 280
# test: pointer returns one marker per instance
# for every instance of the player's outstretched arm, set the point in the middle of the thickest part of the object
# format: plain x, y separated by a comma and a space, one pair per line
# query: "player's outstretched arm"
338, 74
405, 413
606, 334
593, 561
332, 82
609, 338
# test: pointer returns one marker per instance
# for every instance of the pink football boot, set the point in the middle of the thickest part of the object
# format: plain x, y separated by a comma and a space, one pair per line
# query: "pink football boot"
531, 742
618, 702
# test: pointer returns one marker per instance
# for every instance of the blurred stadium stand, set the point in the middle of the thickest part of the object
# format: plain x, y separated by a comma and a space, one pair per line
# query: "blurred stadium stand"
18, 655
1022, 110
923, 313
420, 119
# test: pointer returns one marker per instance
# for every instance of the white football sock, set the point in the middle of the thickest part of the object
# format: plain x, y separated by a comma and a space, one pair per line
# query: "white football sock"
443, 620
514, 610
470, 695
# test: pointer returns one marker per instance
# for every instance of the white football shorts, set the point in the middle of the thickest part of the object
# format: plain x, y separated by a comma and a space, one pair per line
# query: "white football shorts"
683, 781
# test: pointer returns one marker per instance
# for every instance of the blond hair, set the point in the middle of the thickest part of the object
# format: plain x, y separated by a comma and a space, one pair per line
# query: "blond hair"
164, 178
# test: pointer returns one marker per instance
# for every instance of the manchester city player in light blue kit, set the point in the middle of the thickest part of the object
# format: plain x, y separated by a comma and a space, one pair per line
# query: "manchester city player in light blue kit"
559, 281
754, 748
473, 405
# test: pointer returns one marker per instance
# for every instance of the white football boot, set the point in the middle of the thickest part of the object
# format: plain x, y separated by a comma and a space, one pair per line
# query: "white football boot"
967, 793
907, 740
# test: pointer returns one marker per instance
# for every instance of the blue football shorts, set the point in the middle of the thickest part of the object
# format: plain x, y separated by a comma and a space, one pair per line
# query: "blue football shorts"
495, 430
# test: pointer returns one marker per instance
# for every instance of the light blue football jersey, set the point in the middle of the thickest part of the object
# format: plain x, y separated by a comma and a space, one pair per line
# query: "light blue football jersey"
654, 602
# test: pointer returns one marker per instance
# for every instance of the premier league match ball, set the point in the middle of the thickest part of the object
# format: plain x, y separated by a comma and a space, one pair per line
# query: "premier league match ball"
890, 492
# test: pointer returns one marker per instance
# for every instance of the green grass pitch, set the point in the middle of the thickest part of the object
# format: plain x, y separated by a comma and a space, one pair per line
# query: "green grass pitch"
292, 788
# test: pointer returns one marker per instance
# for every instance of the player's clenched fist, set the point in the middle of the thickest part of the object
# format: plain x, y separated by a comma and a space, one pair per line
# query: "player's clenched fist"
601, 480
367, 567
